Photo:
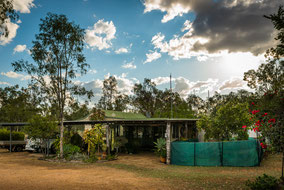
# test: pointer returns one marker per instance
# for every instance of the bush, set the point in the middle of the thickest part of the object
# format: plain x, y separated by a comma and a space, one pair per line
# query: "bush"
16, 136
91, 159
263, 183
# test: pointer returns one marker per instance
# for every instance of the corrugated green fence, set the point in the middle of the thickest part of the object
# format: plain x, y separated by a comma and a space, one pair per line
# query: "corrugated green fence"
233, 153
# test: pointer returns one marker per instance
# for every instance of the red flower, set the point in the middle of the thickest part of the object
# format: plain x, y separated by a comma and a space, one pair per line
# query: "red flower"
256, 129
264, 146
244, 127
264, 114
258, 123
254, 112
253, 103
271, 120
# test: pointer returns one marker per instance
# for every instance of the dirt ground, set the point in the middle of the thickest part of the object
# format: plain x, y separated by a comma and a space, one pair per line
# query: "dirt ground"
24, 170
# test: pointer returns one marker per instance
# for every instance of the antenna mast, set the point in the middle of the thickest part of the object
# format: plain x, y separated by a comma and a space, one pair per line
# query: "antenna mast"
171, 95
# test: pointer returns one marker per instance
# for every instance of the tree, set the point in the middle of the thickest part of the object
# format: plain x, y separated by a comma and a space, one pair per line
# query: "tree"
57, 53
7, 14
43, 128
76, 111
227, 122
109, 93
146, 97
112, 99
268, 82
17, 105
180, 108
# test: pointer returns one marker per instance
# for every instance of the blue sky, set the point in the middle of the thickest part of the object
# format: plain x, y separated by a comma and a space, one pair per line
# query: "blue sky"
206, 45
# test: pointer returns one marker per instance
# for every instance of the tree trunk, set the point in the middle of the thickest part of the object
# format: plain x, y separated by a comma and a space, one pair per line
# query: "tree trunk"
61, 135
282, 164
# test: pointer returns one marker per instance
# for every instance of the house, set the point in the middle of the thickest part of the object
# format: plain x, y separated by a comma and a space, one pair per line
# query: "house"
141, 132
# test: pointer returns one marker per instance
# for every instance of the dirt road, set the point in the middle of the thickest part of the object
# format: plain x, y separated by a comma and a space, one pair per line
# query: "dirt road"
24, 171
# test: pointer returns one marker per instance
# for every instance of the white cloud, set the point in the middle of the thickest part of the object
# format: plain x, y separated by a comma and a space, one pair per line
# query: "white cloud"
23, 6
184, 87
161, 80
12, 28
4, 83
180, 46
121, 50
95, 85
129, 65
20, 48
241, 29
233, 84
152, 56
173, 9
12, 74
100, 35
93, 71
125, 85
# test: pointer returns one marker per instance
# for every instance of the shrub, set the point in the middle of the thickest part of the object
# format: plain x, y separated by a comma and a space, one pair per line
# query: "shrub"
263, 183
70, 150
91, 159
16, 136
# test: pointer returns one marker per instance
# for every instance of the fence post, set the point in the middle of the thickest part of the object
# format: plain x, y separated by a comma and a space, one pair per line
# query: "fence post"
107, 139
10, 138
222, 150
168, 139
194, 156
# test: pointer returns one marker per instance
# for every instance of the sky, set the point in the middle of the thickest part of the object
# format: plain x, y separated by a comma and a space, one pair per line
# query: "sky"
206, 45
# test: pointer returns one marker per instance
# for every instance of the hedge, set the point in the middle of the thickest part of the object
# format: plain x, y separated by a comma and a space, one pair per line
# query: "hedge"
16, 136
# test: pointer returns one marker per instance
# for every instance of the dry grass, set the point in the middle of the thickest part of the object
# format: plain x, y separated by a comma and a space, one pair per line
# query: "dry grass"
141, 171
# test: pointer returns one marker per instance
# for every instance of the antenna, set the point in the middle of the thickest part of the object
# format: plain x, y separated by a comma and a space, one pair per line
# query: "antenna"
171, 95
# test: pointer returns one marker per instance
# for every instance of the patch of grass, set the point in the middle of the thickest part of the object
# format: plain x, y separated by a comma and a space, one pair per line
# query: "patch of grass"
188, 177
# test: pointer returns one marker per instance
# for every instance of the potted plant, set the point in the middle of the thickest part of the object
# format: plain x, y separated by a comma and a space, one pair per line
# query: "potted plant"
161, 150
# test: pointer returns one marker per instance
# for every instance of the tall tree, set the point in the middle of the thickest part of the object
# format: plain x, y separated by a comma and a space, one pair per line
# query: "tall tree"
146, 97
7, 14
17, 105
57, 53
109, 93
268, 82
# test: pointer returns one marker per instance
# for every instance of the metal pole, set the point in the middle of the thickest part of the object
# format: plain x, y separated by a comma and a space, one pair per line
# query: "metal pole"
10, 138
171, 95
168, 142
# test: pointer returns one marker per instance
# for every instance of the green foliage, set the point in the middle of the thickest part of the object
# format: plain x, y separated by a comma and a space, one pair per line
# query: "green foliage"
97, 114
227, 121
94, 138
76, 111
16, 136
112, 99
153, 102
160, 146
91, 159
7, 12
70, 151
41, 127
111, 157
263, 183
17, 105
57, 52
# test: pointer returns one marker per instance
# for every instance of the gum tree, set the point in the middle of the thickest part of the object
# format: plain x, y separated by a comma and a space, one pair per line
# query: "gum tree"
58, 58
268, 82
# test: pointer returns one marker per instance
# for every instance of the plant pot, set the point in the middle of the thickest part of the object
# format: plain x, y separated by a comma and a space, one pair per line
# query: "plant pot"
104, 155
162, 159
